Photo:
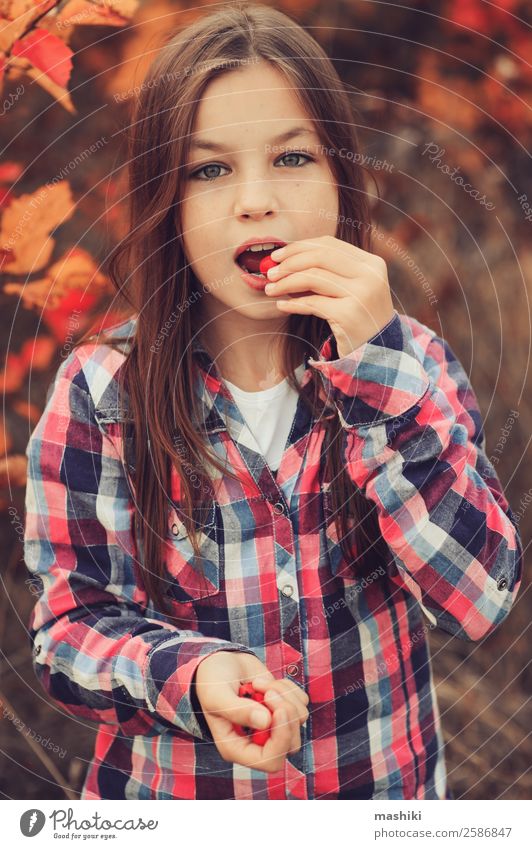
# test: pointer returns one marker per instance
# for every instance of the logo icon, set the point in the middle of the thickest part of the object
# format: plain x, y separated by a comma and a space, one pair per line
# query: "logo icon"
32, 822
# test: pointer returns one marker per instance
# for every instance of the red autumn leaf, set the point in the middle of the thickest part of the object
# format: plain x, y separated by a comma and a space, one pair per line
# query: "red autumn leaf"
48, 53
10, 172
6, 256
59, 320
13, 375
5, 197
37, 353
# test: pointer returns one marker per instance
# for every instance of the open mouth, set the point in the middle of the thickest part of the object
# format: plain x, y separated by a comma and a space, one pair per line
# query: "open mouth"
250, 259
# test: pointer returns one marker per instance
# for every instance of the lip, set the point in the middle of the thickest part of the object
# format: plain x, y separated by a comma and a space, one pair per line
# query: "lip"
259, 240
256, 283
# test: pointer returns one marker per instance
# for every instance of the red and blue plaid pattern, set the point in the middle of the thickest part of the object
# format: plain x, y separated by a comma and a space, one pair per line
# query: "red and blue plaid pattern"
276, 583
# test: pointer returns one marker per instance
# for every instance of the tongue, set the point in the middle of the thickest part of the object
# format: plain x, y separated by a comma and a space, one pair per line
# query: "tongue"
251, 259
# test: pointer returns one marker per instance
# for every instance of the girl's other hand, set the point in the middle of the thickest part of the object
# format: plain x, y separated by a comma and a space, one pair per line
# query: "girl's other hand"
217, 680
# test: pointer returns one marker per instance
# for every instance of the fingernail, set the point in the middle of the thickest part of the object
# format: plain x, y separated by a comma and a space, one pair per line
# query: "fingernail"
260, 718
277, 253
273, 272
270, 287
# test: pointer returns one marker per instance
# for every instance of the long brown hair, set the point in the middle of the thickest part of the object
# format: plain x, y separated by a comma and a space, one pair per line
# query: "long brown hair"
149, 269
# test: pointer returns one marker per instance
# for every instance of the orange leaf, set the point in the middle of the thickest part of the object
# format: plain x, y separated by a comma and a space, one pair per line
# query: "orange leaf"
10, 172
27, 223
13, 470
13, 375
5, 437
58, 92
37, 353
113, 13
30, 412
62, 321
47, 52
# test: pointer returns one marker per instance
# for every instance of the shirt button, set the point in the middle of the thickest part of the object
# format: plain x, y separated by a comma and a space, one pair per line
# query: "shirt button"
278, 508
502, 584
36, 651
292, 669
175, 529
287, 590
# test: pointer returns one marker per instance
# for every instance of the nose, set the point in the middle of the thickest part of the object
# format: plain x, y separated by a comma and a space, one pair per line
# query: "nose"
255, 198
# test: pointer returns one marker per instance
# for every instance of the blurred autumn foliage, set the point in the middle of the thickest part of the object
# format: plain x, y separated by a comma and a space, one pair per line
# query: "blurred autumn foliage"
441, 89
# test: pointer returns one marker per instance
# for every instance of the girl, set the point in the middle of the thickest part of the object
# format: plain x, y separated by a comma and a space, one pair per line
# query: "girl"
281, 486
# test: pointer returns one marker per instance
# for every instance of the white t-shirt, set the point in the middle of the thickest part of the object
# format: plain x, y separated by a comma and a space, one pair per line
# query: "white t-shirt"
269, 414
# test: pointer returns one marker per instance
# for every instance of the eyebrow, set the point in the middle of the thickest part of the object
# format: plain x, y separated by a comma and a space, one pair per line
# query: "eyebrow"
204, 144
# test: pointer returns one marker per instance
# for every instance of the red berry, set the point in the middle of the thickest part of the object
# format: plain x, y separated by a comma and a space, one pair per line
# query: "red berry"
266, 263
261, 737
247, 691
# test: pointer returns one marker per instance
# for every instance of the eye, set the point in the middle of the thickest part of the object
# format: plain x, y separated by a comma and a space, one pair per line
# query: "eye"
195, 174
207, 178
297, 153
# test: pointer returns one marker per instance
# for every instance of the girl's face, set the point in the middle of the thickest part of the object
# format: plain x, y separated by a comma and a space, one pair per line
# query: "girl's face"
242, 182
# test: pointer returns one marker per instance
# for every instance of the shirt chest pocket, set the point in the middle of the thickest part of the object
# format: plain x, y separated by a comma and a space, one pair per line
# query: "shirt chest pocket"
188, 577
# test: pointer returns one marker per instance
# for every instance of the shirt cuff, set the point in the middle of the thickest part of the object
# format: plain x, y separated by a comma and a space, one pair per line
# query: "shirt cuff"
169, 676
381, 379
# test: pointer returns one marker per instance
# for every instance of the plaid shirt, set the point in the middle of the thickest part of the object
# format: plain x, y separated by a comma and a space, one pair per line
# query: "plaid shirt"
276, 582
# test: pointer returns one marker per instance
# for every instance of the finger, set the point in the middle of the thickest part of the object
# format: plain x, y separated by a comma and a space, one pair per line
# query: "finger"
324, 258
280, 742
288, 729
292, 693
300, 245
322, 243
317, 280
295, 696
240, 711
275, 700
233, 747
269, 758
317, 305
262, 684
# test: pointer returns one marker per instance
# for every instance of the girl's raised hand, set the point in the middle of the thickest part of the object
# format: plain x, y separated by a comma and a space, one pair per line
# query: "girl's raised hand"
336, 281
217, 681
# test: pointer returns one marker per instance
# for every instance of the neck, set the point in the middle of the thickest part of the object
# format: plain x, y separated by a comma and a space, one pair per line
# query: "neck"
251, 362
